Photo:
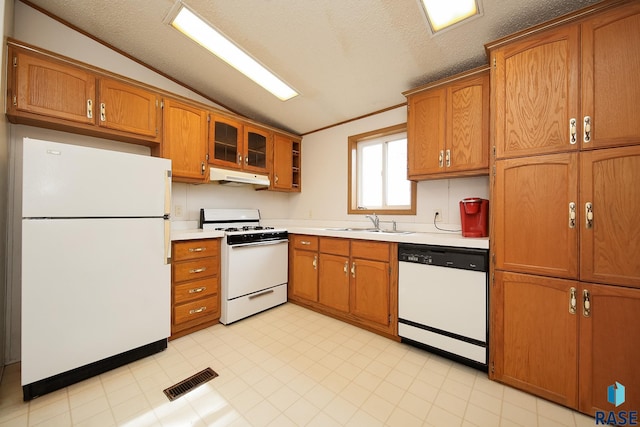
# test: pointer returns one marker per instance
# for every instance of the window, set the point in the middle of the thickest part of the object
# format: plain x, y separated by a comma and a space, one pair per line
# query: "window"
378, 173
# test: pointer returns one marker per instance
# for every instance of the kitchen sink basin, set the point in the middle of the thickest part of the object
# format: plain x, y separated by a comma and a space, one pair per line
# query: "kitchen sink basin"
369, 230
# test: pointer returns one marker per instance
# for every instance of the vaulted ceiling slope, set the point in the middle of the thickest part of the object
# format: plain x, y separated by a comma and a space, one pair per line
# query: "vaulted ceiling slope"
347, 58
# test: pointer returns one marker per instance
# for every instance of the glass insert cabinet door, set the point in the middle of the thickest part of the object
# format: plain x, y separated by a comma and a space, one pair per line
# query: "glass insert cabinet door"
256, 148
225, 144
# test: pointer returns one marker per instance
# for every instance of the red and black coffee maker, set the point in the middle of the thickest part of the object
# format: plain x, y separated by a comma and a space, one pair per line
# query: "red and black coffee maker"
474, 217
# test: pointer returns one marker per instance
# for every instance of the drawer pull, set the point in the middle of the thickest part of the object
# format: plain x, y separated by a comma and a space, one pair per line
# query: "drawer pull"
198, 270
197, 290
197, 249
305, 242
198, 310
269, 291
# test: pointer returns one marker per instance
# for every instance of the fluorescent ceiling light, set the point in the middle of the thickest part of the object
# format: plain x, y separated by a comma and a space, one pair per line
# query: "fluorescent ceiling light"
214, 41
442, 14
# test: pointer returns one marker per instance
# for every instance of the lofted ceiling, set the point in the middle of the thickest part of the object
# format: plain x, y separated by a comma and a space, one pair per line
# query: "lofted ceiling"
346, 58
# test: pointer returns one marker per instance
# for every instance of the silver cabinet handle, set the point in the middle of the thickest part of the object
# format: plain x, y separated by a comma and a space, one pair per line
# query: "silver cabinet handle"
305, 242
573, 301
353, 270
275, 179
440, 159
89, 109
587, 130
103, 112
197, 249
239, 159
198, 310
197, 290
588, 210
246, 160
448, 158
572, 215
586, 303
198, 270
346, 267
573, 123
315, 262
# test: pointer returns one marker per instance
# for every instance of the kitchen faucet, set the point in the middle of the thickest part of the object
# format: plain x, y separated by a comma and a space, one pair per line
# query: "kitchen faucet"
375, 220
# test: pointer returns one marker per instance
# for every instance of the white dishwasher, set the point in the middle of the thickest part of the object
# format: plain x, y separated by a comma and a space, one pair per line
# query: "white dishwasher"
443, 301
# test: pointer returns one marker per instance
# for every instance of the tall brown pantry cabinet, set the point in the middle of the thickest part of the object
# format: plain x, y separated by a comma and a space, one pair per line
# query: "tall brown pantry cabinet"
565, 232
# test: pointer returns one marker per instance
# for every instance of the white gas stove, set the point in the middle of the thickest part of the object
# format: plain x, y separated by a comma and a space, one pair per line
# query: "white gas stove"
254, 262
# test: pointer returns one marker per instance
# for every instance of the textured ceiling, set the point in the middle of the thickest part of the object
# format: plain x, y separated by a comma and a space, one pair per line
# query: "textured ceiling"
347, 58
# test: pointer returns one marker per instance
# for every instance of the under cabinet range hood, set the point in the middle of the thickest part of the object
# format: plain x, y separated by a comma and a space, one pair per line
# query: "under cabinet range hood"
231, 177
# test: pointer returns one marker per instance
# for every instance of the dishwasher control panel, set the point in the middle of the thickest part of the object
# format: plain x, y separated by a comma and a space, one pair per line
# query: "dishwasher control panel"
444, 256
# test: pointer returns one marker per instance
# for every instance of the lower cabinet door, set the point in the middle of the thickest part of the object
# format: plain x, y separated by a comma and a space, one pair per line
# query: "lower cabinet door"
534, 335
305, 275
333, 282
370, 294
609, 348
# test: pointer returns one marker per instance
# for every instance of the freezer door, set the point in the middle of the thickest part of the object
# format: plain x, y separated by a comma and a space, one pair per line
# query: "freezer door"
91, 289
62, 180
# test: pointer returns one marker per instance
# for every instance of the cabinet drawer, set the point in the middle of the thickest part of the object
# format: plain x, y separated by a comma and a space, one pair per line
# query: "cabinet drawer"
197, 269
205, 307
309, 243
195, 289
335, 246
378, 251
193, 249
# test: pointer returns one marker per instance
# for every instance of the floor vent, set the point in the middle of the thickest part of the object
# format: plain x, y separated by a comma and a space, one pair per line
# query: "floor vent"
185, 386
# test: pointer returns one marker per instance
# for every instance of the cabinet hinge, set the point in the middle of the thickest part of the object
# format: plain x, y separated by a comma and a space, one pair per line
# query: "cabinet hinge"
493, 279
494, 151
493, 258
493, 368
493, 170
15, 61
494, 63
162, 104
207, 157
15, 100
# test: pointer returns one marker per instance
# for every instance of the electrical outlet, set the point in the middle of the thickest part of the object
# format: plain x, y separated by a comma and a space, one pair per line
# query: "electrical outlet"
437, 215
179, 211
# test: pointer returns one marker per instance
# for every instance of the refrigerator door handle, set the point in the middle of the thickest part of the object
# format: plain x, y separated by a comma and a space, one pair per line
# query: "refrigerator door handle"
167, 241
167, 194
167, 221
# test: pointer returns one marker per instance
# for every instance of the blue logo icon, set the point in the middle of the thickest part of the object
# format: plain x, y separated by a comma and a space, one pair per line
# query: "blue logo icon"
615, 394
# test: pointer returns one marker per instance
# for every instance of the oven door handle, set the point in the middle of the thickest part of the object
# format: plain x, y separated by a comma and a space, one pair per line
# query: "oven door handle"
267, 243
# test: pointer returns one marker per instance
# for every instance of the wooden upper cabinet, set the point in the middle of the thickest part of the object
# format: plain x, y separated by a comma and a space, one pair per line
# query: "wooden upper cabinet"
535, 90
185, 141
53, 89
257, 149
225, 142
467, 146
610, 70
426, 132
609, 346
128, 108
610, 234
448, 127
534, 341
532, 206
286, 163
282, 162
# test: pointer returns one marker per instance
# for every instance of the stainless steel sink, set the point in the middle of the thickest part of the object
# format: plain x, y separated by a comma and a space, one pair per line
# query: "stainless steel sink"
369, 230
351, 229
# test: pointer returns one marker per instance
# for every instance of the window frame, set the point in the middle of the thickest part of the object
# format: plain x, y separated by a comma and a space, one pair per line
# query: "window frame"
352, 176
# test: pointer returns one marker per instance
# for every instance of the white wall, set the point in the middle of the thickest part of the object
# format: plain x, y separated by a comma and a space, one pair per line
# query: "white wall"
6, 28
324, 180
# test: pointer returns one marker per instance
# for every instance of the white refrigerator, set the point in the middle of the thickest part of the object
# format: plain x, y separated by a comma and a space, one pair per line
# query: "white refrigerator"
96, 290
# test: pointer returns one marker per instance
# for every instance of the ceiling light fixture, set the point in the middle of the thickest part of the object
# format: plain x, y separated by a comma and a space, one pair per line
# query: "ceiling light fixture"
442, 14
203, 33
